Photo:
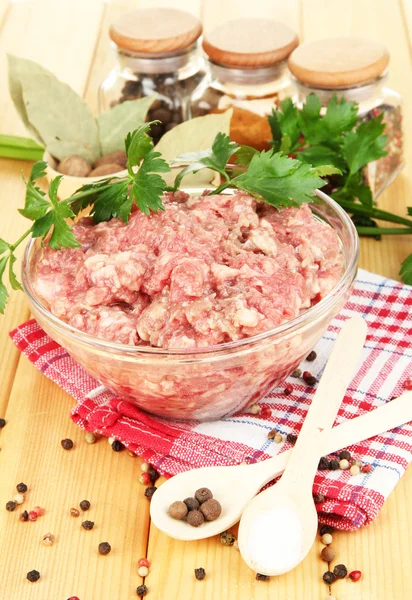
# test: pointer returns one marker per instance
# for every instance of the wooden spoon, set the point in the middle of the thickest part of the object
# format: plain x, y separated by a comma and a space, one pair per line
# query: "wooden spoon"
286, 512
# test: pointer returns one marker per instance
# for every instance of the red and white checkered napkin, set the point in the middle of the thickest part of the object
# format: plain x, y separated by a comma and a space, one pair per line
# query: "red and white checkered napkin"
175, 446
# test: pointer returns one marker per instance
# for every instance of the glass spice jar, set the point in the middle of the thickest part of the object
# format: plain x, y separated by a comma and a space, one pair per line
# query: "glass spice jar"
156, 52
357, 70
248, 73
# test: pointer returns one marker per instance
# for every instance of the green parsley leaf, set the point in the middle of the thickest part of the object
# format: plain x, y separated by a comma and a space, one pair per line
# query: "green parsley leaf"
284, 123
36, 203
15, 284
244, 155
317, 155
309, 119
340, 116
409, 210
3, 290
406, 270
355, 189
147, 187
279, 180
365, 144
112, 202
138, 145
3, 246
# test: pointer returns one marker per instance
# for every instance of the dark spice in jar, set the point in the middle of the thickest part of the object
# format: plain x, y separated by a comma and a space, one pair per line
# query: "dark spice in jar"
323, 464
117, 446
67, 444
203, 494
261, 577
329, 577
11, 505
291, 438
200, 573
211, 509
149, 491
88, 525
104, 548
85, 505
33, 576
340, 571
21, 488
195, 518
142, 590
191, 503
334, 464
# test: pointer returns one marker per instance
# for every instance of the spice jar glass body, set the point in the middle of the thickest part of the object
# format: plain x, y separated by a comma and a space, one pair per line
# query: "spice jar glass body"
252, 93
373, 99
172, 76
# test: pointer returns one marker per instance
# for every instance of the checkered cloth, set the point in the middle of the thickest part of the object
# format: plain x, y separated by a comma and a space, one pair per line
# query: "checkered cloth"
175, 446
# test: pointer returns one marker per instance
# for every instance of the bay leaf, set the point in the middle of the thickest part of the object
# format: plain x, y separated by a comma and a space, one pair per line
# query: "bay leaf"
114, 124
192, 136
59, 115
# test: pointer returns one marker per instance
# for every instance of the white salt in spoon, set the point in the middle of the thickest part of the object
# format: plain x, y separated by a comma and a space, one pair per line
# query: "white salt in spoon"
278, 527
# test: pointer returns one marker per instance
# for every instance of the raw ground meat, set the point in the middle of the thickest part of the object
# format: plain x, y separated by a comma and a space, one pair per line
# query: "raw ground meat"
207, 270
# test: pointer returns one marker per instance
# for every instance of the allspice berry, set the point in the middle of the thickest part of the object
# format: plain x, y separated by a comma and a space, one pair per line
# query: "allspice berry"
203, 494
192, 503
195, 518
178, 510
211, 509
327, 554
104, 548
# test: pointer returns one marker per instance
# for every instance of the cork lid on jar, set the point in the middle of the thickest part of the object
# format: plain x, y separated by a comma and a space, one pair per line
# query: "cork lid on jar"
249, 43
338, 62
154, 31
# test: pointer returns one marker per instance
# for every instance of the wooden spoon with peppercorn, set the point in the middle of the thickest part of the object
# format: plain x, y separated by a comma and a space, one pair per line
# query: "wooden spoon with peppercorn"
287, 511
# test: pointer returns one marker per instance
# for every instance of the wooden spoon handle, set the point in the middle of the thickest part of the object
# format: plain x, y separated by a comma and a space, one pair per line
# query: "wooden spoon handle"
326, 401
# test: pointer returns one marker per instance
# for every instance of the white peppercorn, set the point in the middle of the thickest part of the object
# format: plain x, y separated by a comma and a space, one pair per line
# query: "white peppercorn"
255, 409
143, 571
326, 539
344, 464
354, 470
110, 440
19, 498
89, 437
278, 438
145, 467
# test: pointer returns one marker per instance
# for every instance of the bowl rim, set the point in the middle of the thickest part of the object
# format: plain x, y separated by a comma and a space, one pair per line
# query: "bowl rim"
309, 315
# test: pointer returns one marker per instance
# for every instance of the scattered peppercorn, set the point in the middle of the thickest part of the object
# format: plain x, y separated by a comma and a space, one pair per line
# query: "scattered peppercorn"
88, 525
278, 438
327, 554
33, 576
325, 529
117, 446
110, 440
145, 467
153, 474
358, 463
326, 539
48, 539
24, 516
178, 510
344, 464
195, 518
318, 498
288, 389
255, 409
149, 491
296, 373
40, 511
142, 590
329, 577
340, 571
192, 503
143, 571
323, 464
334, 464
407, 384
2, 423
33, 515
143, 562
84, 505
367, 468
21, 488
309, 378
354, 470
203, 494
345, 455
211, 509
104, 548
227, 538
355, 575
291, 438
73, 598
74, 512
67, 444
265, 412
18, 498
200, 573
11, 505
89, 437
144, 478
311, 356
272, 434
261, 577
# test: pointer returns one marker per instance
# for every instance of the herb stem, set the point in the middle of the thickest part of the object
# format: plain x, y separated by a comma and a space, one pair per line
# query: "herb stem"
375, 213
374, 231
20, 240
222, 187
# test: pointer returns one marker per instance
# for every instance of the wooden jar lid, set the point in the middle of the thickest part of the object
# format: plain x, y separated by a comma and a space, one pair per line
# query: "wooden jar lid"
250, 43
155, 30
338, 62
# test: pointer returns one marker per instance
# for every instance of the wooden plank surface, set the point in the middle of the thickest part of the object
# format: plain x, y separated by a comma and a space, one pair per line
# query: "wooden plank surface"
68, 37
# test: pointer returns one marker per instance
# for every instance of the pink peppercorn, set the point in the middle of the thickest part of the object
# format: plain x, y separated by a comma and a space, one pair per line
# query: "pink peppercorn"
144, 478
288, 389
407, 384
366, 468
33, 515
143, 562
265, 412
73, 598
355, 575
40, 511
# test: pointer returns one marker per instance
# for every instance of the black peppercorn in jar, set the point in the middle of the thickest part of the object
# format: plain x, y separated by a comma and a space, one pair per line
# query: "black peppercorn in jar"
156, 52
248, 73
355, 69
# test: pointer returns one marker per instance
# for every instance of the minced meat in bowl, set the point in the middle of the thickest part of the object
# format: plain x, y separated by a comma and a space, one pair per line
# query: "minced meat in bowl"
200, 310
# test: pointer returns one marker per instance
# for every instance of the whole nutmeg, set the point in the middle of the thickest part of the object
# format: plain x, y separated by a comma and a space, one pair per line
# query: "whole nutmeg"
118, 157
203, 494
178, 510
211, 509
75, 166
327, 554
195, 518
106, 169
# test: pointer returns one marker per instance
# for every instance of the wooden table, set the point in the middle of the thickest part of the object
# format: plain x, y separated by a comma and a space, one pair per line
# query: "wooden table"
70, 38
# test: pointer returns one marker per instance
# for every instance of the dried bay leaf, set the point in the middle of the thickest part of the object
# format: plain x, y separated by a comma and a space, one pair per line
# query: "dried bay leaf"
115, 124
60, 117
193, 136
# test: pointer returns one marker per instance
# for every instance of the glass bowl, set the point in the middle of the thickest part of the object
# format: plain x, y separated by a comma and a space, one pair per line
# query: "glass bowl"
212, 382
